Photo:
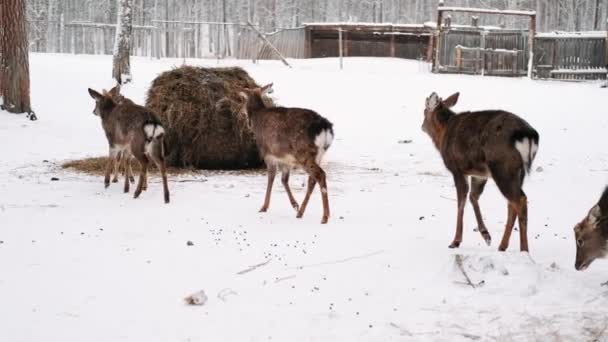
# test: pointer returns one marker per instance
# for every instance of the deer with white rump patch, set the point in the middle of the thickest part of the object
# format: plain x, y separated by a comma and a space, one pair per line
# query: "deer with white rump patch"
591, 234
132, 130
288, 138
480, 145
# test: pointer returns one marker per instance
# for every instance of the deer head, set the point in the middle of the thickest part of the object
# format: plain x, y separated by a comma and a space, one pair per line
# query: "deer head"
591, 235
436, 115
253, 99
103, 102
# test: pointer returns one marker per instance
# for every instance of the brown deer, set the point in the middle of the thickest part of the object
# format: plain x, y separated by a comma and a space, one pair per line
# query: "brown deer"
591, 234
288, 138
132, 130
122, 158
481, 145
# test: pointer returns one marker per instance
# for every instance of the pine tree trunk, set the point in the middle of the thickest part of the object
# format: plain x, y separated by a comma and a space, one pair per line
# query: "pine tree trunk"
14, 58
121, 70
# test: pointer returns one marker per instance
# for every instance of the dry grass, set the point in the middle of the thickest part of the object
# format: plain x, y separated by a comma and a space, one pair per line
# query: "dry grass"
97, 166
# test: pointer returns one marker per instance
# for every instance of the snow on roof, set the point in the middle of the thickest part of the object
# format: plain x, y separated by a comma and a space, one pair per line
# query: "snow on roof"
564, 34
433, 25
419, 26
484, 10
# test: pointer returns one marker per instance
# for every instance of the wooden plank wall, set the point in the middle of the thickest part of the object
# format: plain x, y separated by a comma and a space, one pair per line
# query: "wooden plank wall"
582, 58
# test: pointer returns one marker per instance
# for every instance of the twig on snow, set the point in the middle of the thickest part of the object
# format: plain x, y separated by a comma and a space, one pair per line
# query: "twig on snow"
253, 267
459, 260
225, 293
334, 262
402, 330
278, 280
447, 198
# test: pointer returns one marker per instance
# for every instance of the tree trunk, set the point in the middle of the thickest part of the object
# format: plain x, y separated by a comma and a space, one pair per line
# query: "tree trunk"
14, 58
121, 70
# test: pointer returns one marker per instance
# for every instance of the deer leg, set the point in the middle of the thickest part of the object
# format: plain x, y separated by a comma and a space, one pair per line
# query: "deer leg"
317, 173
285, 181
142, 176
127, 181
116, 167
309, 189
272, 172
462, 188
129, 169
160, 163
477, 186
511, 216
522, 215
109, 166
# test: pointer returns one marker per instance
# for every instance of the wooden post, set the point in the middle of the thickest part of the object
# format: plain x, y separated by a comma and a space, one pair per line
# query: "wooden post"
340, 47
262, 37
392, 43
459, 58
435, 41
532, 33
481, 54
307, 42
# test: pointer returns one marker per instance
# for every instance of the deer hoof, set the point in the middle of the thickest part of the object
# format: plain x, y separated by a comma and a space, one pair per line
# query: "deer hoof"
136, 194
263, 210
296, 206
132, 179
324, 220
115, 180
502, 248
487, 238
454, 244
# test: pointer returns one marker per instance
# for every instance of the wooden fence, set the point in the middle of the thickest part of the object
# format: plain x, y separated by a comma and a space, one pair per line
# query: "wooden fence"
571, 56
290, 42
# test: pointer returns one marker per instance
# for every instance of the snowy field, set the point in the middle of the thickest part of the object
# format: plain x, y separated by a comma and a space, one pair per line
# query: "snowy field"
82, 263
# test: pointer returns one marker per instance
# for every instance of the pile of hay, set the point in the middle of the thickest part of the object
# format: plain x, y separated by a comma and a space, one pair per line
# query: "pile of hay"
202, 113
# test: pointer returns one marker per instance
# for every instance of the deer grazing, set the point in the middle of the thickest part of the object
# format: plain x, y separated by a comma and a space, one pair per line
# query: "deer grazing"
288, 138
591, 235
481, 145
132, 130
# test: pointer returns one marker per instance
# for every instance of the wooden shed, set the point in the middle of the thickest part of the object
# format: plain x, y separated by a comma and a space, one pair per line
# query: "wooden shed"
368, 40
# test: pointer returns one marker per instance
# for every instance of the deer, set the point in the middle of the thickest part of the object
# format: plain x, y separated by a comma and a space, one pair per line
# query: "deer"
591, 234
480, 145
132, 130
289, 138
122, 158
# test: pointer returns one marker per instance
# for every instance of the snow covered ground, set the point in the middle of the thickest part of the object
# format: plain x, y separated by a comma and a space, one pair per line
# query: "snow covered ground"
82, 263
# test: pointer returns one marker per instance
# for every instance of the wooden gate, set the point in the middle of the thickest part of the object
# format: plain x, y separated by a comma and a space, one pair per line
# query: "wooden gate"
483, 52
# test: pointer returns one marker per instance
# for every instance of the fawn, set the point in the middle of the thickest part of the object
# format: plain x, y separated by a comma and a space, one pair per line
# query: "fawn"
481, 145
591, 234
288, 138
132, 130
122, 158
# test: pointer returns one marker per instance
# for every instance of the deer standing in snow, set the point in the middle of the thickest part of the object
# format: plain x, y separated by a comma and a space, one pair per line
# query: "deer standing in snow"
591, 234
122, 158
486, 144
289, 138
132, 130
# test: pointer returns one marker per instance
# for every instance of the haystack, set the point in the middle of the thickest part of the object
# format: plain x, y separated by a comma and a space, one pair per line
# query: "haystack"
202, 113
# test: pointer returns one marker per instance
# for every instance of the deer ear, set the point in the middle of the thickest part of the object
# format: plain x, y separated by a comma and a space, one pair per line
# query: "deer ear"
451, 101
432, 101
594, 215
267, 89
95, 95
115, 90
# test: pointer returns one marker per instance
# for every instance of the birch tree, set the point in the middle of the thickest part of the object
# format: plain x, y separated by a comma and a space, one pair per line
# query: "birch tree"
14, 58
121, 70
